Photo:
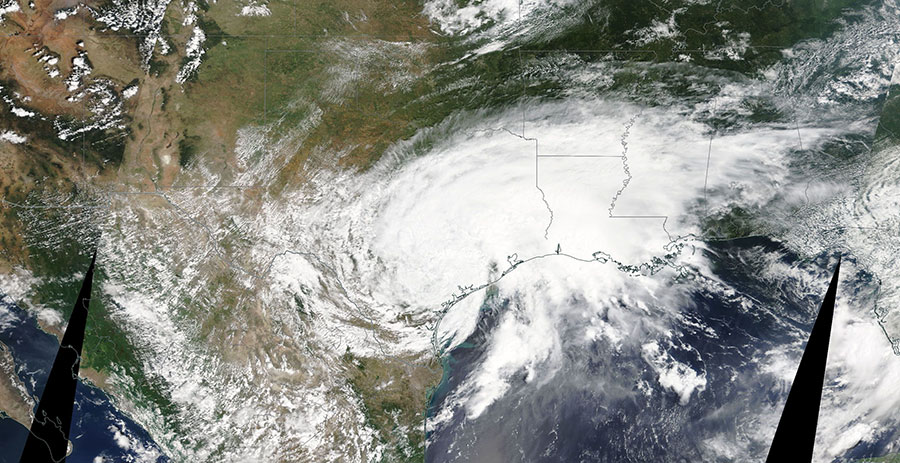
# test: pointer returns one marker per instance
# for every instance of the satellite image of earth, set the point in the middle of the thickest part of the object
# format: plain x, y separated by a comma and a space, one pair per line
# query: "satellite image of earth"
450, 230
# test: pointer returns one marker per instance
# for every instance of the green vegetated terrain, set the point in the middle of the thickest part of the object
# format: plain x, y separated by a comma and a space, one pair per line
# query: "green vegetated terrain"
356, 86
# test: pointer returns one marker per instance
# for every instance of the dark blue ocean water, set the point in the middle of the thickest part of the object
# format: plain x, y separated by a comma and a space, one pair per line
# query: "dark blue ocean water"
593, 410
98, 428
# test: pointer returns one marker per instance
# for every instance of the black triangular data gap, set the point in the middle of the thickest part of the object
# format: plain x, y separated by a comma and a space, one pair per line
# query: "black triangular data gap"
795, 437
49, 436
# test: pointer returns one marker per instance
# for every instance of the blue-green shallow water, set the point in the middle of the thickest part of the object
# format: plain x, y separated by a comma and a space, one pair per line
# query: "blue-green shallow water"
100, 432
